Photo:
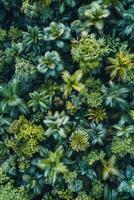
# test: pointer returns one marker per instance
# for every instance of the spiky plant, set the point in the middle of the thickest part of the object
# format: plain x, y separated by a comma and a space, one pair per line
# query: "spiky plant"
57, 125
32, 39
79, 140
115, 95
109, 167
53, 166
39, 100
72, 82
97, 114
120, 65
97, 133
122, 130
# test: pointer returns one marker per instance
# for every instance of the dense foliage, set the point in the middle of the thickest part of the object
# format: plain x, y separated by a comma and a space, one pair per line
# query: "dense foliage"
66, 99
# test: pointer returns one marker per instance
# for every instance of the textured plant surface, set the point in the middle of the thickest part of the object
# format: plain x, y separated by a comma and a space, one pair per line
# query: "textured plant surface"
66, 99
